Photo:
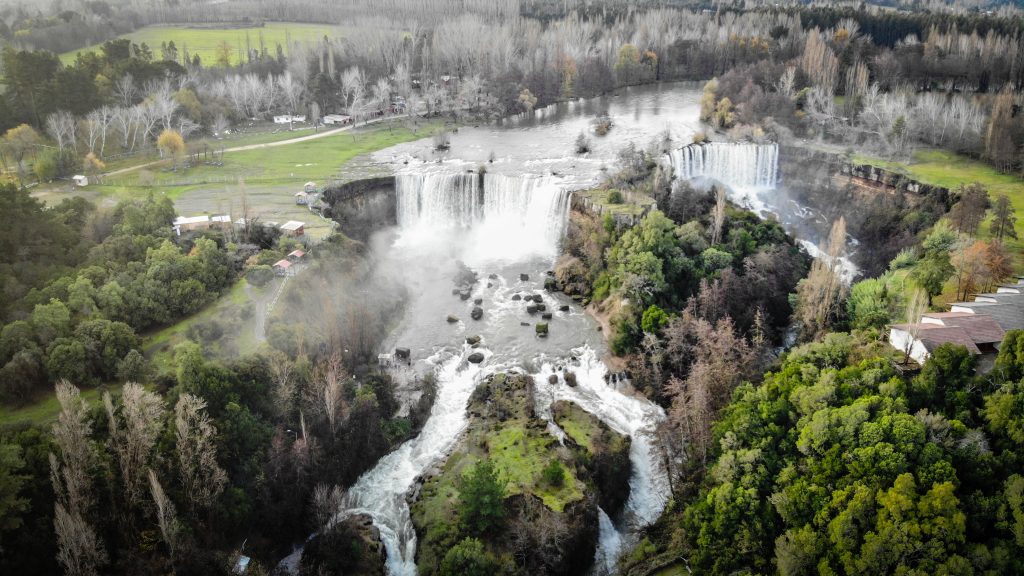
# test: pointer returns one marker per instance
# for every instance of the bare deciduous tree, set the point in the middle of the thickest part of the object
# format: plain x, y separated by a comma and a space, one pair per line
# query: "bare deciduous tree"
202, 477
166, 516
327, 502
79, 550
133, 434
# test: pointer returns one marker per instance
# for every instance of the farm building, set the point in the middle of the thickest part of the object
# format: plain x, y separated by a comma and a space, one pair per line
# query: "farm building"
296, 255
80, 180
293, 228
190, 223
283, 267
337, 119
309, 187
288, 119
301, 198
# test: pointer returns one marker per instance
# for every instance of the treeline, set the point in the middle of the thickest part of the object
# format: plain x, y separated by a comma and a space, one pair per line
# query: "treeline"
74, 25
836, 80
836, 463
175, 477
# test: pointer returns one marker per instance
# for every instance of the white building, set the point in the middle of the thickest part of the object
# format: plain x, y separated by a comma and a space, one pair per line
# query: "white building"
288, 119
337, 119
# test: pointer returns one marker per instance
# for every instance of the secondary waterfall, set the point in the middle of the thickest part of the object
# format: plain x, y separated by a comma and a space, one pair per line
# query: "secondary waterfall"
509, 227
738, 165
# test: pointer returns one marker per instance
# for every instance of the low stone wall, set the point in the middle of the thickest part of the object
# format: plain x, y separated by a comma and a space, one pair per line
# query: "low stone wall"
362, 207
887, 179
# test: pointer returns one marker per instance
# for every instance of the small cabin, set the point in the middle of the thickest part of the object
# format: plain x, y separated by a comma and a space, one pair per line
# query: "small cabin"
309, 187
301, 198
296, 255
283, 267
293, 228
80, 180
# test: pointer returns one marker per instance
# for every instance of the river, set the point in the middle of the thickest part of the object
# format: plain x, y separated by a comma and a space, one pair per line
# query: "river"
509, 233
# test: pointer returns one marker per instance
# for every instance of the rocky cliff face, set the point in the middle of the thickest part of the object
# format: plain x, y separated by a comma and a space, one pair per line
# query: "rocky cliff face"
352, 546
362, 207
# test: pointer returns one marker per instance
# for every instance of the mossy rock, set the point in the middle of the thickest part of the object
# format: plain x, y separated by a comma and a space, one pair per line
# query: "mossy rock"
542, 329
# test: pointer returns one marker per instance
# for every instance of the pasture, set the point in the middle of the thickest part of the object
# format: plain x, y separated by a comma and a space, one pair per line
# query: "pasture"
204, 39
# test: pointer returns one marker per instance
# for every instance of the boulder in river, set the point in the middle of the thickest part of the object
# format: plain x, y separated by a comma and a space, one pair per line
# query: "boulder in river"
478, 301
465, 294
524, 277
477, 313
542, 329
476, 357
570, 378
531, 309
563, 308
524, 323
517, 297
546, 316
472, 340
402, 353
553, 379
492, 276
541, 307
452, 319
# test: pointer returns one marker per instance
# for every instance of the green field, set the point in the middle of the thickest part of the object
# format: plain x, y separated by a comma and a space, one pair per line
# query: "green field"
204, 39
43, 411
269, 176
948, 169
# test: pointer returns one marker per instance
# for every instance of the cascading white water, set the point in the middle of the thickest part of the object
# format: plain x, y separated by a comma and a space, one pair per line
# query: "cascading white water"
437, 199
511, 223
738, 165
380, 492
627, 414
511, 217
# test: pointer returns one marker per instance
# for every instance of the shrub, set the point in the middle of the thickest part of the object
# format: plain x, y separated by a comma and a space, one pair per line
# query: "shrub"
582, 144
468, 558
553, 474
482, 498
615, 197
259, 275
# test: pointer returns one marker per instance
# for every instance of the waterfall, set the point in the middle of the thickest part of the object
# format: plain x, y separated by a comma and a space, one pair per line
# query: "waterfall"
502, 218
738, 165
437, 199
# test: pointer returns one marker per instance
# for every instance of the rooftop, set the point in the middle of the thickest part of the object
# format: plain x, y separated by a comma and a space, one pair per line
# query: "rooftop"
934, 335
292, 225
283, 263
190, 220
1009, 315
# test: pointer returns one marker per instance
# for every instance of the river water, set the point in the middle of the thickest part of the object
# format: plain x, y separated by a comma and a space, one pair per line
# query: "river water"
510, 236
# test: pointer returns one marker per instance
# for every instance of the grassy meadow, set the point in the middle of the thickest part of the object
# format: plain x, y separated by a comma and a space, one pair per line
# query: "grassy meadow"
204, 39
948, 169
